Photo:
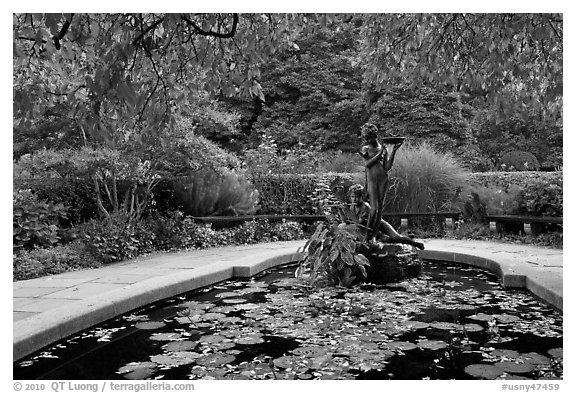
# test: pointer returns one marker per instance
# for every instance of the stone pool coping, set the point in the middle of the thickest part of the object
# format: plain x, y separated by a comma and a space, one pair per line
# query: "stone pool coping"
48, 309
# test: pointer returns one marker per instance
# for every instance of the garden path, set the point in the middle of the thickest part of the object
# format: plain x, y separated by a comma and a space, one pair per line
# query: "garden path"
47, 309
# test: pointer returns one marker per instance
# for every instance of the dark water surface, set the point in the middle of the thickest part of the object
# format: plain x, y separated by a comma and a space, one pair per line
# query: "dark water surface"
453, 322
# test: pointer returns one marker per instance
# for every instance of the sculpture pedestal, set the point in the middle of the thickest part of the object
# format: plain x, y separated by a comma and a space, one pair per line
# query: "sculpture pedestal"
391, 262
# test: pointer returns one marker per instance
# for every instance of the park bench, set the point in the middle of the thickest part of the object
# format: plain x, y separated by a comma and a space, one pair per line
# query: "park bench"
449, 218
533, 225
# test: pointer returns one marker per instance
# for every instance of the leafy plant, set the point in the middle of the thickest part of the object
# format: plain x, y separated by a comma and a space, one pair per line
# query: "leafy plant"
542, 198
116, 239
332, 258
35, 223
47, 261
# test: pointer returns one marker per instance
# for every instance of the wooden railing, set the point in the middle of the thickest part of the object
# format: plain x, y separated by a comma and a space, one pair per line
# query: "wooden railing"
449, 218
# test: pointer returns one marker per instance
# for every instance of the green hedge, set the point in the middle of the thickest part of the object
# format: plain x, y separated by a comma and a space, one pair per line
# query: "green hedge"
526, 193
300, 194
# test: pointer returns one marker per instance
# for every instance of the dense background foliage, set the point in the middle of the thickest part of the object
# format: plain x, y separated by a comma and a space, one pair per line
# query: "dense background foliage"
126, 124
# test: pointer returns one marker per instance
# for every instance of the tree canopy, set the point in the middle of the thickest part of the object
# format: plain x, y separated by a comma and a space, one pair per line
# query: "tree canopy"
119, 76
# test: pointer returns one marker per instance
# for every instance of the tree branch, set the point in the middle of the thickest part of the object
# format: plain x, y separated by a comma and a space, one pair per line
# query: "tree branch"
199, 31
555, 31
62, 32
146, 31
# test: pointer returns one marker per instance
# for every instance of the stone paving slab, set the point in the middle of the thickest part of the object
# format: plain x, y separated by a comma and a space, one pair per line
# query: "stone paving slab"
51, 308
124, 278
41, 305
33, 292
86, 290
51, 282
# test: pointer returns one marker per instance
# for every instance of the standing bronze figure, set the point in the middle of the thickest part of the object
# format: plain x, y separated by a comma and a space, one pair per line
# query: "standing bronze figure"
377, 163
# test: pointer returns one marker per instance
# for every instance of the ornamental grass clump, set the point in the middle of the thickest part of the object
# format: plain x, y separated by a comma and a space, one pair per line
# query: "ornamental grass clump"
424, 180
210, 193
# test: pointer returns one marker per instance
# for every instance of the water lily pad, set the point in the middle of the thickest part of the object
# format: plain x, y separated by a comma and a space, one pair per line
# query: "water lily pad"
287, 361
506, 353
212, 316
234, 301
231, 333
250, 340
227, 294
304, 376
309, 351
231, 320
433, 345
535, 358
512, 377
473, 328
195, 305
223, 346
482, 317
246, 306
177, 346
556, 352
211, 339
165, 336
188, 320
484, 371
138, 370
172, 360
401, 345
151, 325
506, 318
222, 309
445, 326
416, 325
215, 359
515, 368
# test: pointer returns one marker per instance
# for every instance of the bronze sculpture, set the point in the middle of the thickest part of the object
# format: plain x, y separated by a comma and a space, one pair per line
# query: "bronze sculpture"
358, 212
377, 163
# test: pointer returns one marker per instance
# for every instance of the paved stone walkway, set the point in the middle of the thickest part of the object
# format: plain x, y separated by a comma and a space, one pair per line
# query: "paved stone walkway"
50, 308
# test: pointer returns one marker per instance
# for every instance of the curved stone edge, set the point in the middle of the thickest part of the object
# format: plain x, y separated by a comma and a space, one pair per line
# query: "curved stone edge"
540, 285
34, 333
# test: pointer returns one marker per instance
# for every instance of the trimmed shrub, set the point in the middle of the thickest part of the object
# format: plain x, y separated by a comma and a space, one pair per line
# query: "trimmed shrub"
47, 261
35, 222
285, 194
528, 193
517, 160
